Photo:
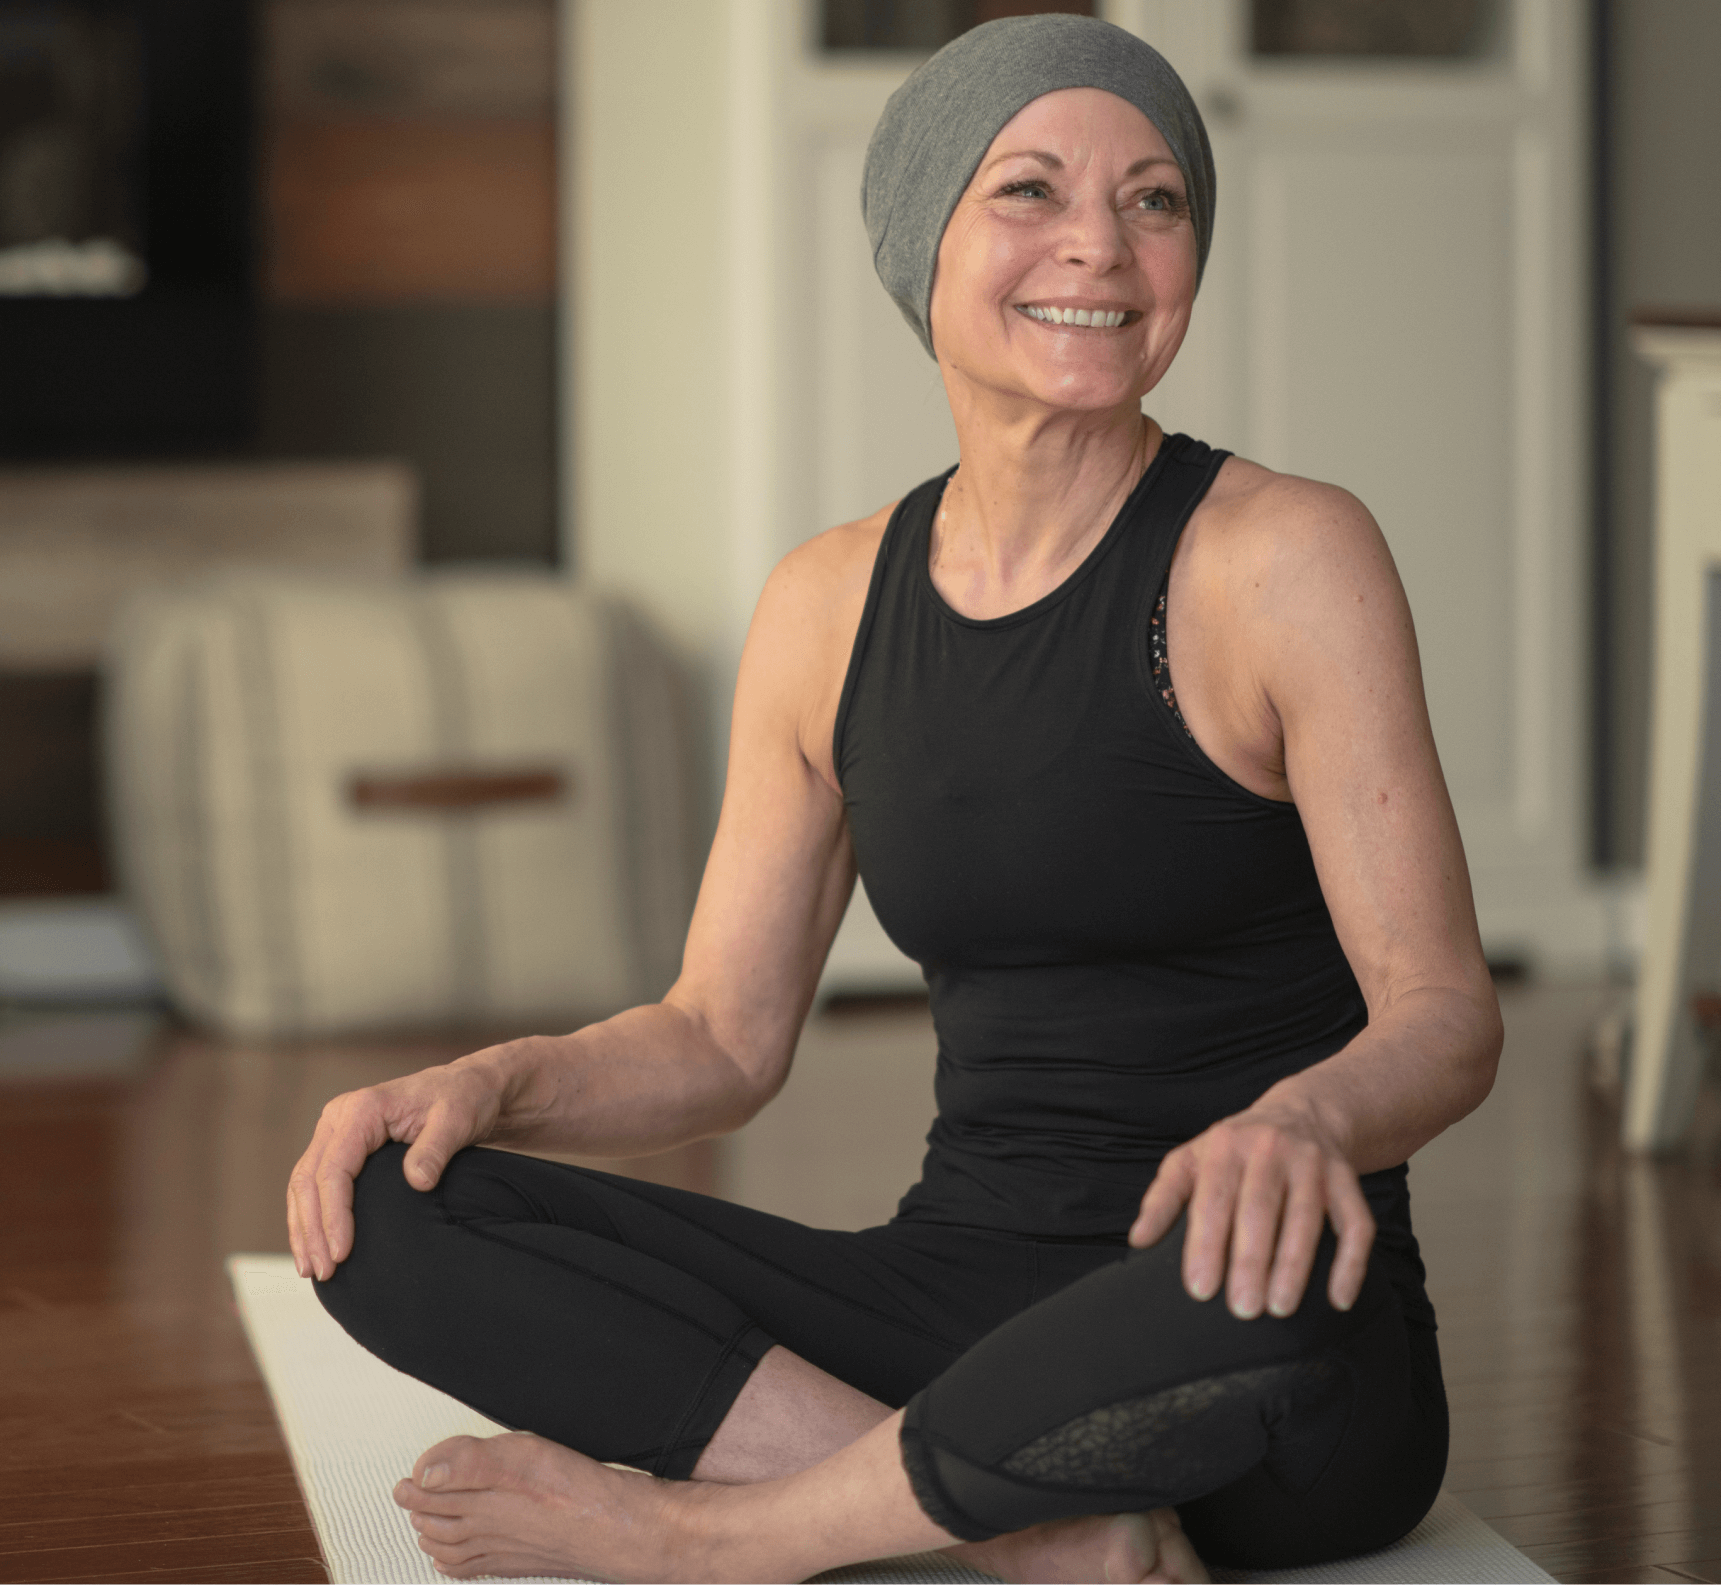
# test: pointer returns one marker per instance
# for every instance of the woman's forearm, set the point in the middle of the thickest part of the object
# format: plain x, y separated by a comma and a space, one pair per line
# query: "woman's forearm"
1421, 1065
646, 1080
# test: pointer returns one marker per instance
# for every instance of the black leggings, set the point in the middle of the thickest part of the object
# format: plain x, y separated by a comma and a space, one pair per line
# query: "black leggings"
1042, 1379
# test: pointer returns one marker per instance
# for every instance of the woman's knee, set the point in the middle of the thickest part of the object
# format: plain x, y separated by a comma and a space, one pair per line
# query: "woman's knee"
1130, 1382
476, 1186
392, 1216
1150, 1282
383, 1201
408, 1242
393, 1225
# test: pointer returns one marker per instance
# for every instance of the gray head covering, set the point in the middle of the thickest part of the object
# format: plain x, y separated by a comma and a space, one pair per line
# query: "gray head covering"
939, 124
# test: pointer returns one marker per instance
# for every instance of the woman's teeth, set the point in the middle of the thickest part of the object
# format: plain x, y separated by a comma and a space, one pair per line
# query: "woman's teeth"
1099, 318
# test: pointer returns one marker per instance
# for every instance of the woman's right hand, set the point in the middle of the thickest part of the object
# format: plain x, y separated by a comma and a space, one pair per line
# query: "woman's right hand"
436, 1111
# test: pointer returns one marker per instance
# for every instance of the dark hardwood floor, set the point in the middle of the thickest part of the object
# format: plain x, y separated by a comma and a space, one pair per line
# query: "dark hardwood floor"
1579, 1292
136, 1440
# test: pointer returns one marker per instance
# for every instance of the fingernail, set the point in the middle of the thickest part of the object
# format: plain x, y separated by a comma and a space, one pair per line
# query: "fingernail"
1202, 1292
1245, 1313
1342, 1305
434, 1476
1280, 1309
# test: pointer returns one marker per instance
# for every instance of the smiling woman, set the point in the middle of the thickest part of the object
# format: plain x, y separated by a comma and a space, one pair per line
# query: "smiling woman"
1203, 966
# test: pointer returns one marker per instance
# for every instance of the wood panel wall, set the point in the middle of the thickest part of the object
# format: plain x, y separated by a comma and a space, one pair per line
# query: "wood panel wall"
410, 151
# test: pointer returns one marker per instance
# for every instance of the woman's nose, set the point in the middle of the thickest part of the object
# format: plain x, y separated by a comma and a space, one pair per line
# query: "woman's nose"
1094, 237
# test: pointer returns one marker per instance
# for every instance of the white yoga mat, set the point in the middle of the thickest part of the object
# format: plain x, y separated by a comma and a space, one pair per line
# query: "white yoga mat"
354, 1427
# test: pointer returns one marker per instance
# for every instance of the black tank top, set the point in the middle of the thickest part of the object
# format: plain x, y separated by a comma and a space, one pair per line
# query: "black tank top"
1122, 944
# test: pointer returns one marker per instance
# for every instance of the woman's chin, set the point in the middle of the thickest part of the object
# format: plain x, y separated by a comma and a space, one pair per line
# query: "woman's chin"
1084, 390
1077, 379
1093, 377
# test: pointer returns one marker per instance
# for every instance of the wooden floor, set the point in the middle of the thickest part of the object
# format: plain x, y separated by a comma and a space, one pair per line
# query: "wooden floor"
1579, 1291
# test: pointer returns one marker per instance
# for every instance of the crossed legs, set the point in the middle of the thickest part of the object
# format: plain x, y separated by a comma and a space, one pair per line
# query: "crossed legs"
1252, 1427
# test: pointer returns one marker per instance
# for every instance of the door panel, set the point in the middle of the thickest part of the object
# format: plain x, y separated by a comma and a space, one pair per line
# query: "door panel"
1382, 373
1395, 303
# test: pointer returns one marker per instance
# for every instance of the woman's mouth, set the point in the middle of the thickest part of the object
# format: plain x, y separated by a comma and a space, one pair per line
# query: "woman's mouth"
1093, 318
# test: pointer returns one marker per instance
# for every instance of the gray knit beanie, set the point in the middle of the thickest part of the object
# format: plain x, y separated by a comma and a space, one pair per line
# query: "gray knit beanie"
939, 124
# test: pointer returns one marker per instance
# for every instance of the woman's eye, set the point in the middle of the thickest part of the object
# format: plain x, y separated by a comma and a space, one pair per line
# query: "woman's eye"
1026, 190
1163, 201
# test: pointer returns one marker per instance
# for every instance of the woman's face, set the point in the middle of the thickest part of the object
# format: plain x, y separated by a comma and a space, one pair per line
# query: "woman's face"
1077, 213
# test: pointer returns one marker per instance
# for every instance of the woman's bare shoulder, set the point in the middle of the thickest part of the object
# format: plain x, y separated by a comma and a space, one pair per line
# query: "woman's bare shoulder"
1270, 535
827, 569
1257, 502
804, 629
817, 589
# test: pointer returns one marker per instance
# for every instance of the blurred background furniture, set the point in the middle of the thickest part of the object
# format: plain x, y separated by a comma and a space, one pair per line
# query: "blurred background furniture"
1682, 943
75, 542
353, 804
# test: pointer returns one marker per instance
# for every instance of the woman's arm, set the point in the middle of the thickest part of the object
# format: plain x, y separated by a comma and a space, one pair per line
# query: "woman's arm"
778, 877
1327, 667
719, 1045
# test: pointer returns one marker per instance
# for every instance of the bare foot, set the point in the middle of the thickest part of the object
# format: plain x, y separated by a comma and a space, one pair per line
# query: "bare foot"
520, 1505
1099, 1547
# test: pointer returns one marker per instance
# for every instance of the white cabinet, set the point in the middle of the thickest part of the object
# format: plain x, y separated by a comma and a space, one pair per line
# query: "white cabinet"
1682, 903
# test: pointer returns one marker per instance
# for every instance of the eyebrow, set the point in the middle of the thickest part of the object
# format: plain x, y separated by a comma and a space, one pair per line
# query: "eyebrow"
1049, 159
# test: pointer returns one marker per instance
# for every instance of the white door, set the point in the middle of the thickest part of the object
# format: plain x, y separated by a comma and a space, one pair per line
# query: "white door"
1395, 303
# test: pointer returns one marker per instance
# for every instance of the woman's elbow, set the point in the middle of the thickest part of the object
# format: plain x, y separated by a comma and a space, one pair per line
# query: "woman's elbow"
1486, 1034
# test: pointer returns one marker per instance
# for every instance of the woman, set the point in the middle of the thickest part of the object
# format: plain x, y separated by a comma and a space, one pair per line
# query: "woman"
1213, 943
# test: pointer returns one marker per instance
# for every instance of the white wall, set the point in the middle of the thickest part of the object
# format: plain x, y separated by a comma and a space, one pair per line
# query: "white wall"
733, 375
647, 340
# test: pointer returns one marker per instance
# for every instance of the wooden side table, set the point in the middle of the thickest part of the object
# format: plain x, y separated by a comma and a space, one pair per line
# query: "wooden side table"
1682, 941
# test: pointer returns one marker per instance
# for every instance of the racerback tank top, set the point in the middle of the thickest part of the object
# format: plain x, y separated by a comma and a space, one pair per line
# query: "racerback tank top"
1122, 944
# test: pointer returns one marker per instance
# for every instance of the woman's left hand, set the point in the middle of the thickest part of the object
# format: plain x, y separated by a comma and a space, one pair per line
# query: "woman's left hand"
1259, 1187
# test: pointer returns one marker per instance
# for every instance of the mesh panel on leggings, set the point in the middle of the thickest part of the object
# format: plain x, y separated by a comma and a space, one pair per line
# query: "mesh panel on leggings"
1139, 1444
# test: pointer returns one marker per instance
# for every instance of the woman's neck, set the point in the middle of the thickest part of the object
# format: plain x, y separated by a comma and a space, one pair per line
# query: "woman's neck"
1030, 500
